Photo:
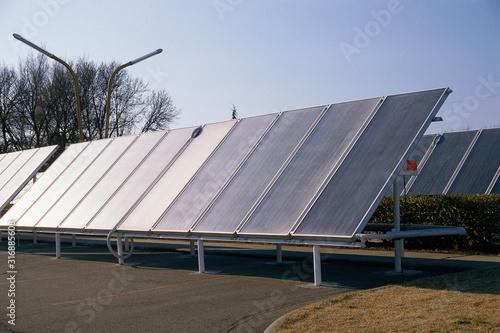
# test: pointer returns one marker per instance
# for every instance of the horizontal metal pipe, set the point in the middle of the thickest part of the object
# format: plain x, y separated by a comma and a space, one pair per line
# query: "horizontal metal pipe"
395, 235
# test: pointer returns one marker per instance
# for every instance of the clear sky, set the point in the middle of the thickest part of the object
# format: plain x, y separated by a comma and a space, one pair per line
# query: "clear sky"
271, 55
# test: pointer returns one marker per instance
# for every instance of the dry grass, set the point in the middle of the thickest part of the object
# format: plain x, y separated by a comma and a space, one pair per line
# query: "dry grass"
460, 302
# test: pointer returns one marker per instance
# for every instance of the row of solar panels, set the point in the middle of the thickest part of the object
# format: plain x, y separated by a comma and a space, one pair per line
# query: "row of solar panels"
465, 162
308, 173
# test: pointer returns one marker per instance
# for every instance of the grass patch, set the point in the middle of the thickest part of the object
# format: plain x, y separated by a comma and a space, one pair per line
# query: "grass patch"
461, 302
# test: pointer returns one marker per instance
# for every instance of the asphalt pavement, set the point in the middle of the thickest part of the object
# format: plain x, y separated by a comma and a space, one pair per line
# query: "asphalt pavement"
159, 288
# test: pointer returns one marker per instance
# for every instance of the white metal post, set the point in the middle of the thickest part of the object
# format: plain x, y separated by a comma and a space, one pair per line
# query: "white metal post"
58, 245
191, 248
127, 244
279, 254
34, 237
119, 250
201, 257
73, 240
317, 265
397, 226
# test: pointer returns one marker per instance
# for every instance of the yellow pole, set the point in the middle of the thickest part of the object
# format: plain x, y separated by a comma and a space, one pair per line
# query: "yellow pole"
75, 81
110, 82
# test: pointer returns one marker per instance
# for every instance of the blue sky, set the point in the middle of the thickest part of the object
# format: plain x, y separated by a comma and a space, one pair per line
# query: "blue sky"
267, 55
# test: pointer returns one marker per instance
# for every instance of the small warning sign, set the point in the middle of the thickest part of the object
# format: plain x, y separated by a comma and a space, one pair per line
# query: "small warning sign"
411, 165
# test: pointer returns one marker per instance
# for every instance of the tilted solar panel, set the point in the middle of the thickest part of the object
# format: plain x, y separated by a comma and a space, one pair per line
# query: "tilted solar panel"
125, 197
166, 188
310, 173
256, 174
480, 166
323, 150
103, 191
357, 187
19, 169
442, 163
215, 173
85, 182
61, 184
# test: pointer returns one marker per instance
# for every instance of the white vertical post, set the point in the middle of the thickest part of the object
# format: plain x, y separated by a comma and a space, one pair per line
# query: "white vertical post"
119, 250
201, 257
397, 226
317, 265
73, 240
34, 237
0, 235
127, 244
279, 254
191, 248
58, 245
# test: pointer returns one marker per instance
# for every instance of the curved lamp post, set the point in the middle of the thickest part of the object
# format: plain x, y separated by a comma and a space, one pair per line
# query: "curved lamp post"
77, 95
110, 82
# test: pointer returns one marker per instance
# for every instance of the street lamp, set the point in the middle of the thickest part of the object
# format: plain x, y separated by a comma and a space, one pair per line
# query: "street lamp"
77, 95
110, 82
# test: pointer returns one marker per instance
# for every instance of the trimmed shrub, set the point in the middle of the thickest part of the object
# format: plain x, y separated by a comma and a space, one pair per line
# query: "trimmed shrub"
479, 214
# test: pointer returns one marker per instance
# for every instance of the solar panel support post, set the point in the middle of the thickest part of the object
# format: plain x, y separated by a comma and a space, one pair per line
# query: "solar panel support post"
317, 265
398, 244
191, 248
34, 237
201, 257
127, 244
279, 254
73, 240
58, 245
119, 250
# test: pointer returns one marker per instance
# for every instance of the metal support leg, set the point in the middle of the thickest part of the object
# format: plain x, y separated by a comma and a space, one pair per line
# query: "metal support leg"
73, 240
317, 265
119, 249
191, 248
58, 245
279, 254
201, 257
34, 237
397, 226
127, 244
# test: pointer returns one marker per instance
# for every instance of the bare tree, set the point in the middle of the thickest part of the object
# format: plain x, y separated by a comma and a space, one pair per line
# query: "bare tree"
38, 107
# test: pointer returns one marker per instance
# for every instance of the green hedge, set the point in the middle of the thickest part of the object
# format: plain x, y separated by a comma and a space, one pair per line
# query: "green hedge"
479, 214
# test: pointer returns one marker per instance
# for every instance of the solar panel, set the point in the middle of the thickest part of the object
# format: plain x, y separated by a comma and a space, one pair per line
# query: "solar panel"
19, 169
85, 182
60, 185
215, 173
124, 198
315, 172
348, 201
480, 166
168, 186
496, 187
7, 160
442, 163
54, 172
258, 171
321, 152
103, 191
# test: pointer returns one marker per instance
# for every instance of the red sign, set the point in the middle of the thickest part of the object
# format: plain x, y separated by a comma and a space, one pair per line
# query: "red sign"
411, 165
